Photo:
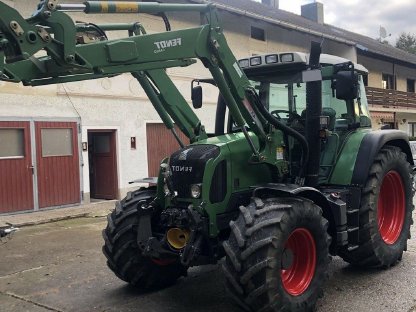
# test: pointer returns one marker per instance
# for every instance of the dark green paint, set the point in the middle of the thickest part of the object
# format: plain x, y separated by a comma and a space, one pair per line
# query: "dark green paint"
343, 170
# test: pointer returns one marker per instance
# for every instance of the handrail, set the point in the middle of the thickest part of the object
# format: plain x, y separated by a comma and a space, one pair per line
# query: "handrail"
388, 98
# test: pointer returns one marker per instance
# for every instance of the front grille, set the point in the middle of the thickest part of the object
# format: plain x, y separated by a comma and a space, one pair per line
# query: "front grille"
188, 166
218, 189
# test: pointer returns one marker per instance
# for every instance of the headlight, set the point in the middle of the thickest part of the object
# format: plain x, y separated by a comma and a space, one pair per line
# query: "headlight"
273, 58
196, 190
244, 63
286, 58
255, 61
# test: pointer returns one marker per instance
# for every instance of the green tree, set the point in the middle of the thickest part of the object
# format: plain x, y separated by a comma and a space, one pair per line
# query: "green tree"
407, 42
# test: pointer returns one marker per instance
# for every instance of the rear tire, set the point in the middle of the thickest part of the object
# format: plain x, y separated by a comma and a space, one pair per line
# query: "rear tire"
124, 256
269, 234
385, 211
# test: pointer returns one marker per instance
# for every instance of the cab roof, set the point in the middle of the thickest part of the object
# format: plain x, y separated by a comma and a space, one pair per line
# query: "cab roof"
290, 60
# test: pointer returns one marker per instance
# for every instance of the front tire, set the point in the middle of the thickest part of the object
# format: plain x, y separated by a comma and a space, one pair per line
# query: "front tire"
123, 254
277, 255
385, 211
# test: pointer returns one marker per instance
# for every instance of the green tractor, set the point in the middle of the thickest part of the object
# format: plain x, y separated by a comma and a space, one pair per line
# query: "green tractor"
214, 198
292, 174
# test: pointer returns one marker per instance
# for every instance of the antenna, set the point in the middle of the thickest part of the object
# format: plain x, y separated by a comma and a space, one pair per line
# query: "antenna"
383, 33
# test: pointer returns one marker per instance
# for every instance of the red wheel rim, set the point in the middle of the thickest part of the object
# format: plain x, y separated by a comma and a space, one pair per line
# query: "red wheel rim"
391, 207
297, 278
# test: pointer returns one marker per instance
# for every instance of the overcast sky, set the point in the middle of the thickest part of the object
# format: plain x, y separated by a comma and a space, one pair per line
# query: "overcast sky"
365, 17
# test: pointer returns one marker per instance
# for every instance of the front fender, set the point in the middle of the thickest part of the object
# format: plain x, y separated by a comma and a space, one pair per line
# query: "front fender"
278, 190
335, 214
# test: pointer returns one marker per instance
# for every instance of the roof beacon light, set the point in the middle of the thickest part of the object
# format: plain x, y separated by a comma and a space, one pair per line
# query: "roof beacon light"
271, 59
286, 58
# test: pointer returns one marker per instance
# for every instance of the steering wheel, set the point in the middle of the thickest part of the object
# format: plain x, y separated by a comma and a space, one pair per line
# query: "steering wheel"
292, 115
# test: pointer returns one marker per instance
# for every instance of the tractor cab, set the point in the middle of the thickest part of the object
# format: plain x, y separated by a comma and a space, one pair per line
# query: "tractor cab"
280, 81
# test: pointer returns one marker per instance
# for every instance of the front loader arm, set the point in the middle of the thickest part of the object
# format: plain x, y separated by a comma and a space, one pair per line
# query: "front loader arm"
23, 44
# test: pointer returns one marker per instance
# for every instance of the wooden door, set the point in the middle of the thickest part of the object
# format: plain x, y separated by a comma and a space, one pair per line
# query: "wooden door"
57, 163
16, 172
103, 165
160, 144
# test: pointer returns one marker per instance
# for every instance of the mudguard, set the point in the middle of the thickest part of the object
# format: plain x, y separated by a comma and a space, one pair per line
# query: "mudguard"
371, 144
333, 203
278, 189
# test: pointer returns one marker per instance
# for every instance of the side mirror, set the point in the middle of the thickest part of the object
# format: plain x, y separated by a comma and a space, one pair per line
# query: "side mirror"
196, 97
346, 85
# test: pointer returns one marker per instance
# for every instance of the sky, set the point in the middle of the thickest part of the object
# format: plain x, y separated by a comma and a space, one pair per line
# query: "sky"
365, 17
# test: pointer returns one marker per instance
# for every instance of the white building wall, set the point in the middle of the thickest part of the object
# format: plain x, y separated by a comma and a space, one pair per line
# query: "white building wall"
41, 102
120, 104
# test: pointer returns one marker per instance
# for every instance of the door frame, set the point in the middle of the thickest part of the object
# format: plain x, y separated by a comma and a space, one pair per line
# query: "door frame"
33, 145
114, 133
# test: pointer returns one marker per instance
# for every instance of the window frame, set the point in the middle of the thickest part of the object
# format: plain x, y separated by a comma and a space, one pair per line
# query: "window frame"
23, 143
260, 36
411, 126
390, 80
71, 138
412, 81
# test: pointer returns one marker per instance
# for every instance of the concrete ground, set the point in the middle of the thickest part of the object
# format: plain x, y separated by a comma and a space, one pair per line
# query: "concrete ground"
59, 267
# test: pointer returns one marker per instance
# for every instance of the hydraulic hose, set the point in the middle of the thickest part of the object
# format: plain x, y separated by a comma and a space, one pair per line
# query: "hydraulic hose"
289, 131
162, 15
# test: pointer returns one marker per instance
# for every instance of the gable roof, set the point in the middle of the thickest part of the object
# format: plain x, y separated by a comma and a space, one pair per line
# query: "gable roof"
365, 45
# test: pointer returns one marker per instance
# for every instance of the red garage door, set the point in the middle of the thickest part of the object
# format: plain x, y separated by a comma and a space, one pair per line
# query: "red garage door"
160, 144
57, 163
16, 172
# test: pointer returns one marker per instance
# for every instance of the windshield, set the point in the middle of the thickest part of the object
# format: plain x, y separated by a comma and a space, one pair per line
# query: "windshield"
284, 98
292, 97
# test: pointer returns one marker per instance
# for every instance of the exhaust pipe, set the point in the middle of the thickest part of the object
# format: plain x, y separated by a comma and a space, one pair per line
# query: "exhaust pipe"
313, 113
